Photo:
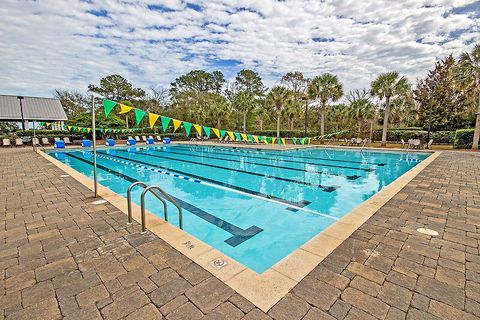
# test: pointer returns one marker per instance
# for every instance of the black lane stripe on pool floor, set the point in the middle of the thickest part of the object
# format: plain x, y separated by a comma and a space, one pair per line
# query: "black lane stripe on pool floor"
279, 153
324, 188
233, 153
239, 235
300, 204
349, 177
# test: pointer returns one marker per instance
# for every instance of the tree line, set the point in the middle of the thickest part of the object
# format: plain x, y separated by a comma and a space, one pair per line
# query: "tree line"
448, 98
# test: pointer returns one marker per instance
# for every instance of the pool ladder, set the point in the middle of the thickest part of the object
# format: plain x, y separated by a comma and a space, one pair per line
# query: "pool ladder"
160, 194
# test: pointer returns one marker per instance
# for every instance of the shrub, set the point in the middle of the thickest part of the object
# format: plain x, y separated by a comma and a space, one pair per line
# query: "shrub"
463, 138
395, 135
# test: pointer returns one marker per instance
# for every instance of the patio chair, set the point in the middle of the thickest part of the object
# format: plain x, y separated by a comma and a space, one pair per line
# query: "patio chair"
45, 142
67, 140
429, 144
416, 143
56, 139
6, 143
130, 138
159, 139
18, 142
404, 144
35, 142
358, 141
137, 138
144, 138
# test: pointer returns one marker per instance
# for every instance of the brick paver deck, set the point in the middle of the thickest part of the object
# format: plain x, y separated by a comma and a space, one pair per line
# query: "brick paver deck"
61, 256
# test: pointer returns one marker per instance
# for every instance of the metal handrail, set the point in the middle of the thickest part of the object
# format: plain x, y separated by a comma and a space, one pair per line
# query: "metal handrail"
129, 198
157, 192
166, 196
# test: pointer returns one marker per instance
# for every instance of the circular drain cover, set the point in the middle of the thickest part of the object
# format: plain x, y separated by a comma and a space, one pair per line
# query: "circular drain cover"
99, 201
428, 232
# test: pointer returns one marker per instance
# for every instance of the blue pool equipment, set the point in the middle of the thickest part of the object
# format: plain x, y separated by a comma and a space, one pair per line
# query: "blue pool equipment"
86, 143
150, 141
131, 142
59, 144
166, 140
110, 143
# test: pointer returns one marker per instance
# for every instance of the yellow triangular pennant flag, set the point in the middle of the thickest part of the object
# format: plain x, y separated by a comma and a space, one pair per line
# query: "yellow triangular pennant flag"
176, 124
125, 109
255, 138
244, 136
89, 129
198, 128
216, 131
152, 118
123, 130
283, 140
273, 140
231, 135
69, 127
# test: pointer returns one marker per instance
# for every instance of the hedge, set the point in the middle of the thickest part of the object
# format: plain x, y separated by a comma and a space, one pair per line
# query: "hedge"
395, 135
463, 138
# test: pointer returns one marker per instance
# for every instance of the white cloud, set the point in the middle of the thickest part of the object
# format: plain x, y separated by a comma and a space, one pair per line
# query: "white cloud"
50, 44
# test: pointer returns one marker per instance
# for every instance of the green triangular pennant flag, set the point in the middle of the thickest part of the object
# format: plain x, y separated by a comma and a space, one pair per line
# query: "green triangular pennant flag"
41, 123
74, 128
207, 131
250, 138
139, 114
165, 122
108, 106
84, 129
187, 126
223, 133
238, 136
101, 130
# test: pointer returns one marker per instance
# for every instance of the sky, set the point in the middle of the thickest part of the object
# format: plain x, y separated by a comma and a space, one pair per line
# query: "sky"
68, 44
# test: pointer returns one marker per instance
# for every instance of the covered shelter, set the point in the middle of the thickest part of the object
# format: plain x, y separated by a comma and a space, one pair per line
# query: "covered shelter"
25, 109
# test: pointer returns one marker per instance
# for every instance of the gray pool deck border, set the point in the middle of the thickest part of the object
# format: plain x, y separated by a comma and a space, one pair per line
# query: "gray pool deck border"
56, 247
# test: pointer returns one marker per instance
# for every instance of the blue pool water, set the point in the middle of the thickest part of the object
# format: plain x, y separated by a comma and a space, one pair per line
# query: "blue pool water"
256, 206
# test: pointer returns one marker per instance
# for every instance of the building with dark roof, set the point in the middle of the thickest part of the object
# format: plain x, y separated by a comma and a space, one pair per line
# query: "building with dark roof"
28, 109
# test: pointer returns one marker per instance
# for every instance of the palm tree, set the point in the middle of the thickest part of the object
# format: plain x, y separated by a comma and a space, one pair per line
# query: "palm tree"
361, 108
244, 102
219, 108
325, 88
386, 86
277, 100
467, 73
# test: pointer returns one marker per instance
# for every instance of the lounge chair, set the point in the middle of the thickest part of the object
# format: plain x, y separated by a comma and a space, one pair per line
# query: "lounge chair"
45, 142
67, 140
137, 138
18, 142
144, 138
56, 139
6, 143
35, 142
358, 141
159, 139
130, 138
404, 144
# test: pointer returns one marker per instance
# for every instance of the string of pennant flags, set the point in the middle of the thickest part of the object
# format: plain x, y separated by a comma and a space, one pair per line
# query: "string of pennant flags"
165, 122
104, 130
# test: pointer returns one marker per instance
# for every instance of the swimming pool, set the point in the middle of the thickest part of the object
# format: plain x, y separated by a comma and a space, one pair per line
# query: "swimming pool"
255, 206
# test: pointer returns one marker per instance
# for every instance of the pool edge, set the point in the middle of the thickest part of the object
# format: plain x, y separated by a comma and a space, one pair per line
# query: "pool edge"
266, 289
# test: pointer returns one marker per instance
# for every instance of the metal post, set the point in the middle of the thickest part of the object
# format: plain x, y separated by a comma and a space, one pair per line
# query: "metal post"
94, 138
34, 138
306, 118
21, 111
429, 122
